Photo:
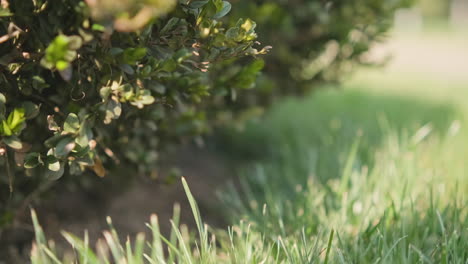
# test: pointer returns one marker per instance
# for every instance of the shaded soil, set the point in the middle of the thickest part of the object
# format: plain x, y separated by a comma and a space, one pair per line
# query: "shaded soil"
76, 210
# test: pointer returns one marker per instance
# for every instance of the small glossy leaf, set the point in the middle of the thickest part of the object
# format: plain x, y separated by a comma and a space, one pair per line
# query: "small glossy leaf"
86, 160
132, 55
224, 10
127, 69
15, 118
98, 27
74, 42
72, 124
54, 166
105, 92
170, 24
31, 110
52, 141
80, 152
32, 160
64, 146
6, 130
115, 51
113, 110
55, 171
62, 65
85, 135
13, 142
198, 4
169, 65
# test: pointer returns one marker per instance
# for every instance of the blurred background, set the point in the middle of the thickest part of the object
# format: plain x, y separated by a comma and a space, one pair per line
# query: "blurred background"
382, 139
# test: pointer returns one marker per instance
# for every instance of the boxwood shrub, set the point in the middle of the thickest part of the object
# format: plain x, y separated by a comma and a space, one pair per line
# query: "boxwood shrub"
88, 86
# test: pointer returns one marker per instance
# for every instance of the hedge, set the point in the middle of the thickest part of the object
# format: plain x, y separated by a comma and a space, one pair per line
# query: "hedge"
88, 86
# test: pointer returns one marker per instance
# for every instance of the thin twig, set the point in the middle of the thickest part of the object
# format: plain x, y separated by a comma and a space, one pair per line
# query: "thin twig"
10, 175
13, 31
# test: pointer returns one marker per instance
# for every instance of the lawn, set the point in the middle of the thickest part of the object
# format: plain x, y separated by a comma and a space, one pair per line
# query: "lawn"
373, 172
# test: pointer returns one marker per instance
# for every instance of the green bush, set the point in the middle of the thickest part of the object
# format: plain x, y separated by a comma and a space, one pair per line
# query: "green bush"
88, 86
316, 41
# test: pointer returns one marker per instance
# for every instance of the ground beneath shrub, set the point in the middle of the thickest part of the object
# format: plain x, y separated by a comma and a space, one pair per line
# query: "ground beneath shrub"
76, 211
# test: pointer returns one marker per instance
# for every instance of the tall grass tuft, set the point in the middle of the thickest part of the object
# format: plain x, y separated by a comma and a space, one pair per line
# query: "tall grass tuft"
410, 206
357, 181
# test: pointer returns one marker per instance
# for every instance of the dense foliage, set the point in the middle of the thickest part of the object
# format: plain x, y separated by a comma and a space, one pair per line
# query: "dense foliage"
317, 41
86, 86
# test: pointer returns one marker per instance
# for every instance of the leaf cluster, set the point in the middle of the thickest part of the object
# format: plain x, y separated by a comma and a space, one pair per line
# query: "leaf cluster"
86, 86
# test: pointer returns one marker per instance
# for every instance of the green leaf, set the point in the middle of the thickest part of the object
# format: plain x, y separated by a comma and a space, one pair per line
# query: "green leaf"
127, 92
156, 86
85, 160
61, 52
98, 27
198, 4
5, 12
146, 97
127, 69
54, 166
169, 65
74, 168
74, 42
52, 141
256, 66
39, 83
248, 25
62, 65
64, 147
80, 151
70, 55
15, 118
85, 135
72, 124
171, 23
6, 130
224, 10
55, 171
182, 55
232, 33
13, 142
132, 55
105, 92
115, 51
113, 110
31, 110
32, 160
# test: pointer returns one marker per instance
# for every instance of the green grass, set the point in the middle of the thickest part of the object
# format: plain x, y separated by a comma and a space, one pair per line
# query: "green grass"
387, 173
352, 177
372, 174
